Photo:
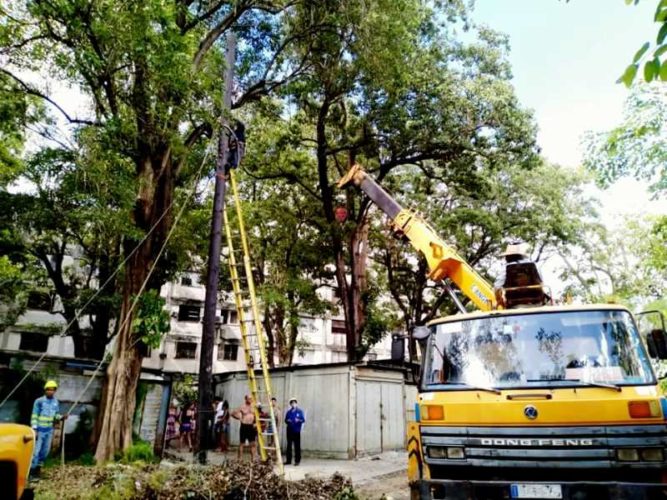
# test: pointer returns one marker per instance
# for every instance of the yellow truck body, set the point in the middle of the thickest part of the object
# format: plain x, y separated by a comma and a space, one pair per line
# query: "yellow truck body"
16, 449
578, 412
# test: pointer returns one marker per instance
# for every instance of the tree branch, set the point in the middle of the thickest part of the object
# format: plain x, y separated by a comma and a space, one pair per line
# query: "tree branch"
31, 91
217, 31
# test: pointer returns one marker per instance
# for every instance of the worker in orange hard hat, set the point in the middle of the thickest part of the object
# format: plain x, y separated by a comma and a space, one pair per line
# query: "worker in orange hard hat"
45, 412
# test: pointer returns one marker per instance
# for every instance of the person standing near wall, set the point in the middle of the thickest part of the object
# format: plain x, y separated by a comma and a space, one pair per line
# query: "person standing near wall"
222, 423
248, 432
45, 411
294, 418
172, 425
275, 433
187, 427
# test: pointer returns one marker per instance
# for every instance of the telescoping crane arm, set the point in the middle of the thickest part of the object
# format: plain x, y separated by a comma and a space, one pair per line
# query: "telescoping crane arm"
443, 261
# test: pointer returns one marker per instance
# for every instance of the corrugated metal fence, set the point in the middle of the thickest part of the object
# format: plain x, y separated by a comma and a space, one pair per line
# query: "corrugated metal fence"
351, 410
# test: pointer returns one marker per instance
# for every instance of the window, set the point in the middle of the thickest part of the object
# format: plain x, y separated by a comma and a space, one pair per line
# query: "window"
188, 312
186, 280
228, 351
223, 316
308, 325
31, 341
233, 317
338, 327
186, 350
39, 300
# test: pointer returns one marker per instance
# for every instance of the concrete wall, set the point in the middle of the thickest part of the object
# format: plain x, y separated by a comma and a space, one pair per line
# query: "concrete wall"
350, 411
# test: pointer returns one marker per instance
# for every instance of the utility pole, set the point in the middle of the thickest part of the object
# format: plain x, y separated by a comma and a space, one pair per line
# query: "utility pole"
205, 411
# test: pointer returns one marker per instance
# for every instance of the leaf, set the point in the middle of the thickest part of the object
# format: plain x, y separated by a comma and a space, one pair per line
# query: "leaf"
629, 75
660, 50
650, 71
661, 11
662, 34
663, 72
641, 52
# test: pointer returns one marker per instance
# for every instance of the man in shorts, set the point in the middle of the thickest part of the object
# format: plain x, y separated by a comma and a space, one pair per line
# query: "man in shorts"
246, 415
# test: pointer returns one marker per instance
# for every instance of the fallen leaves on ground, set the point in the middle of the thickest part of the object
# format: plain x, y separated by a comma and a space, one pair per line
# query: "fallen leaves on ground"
231, 481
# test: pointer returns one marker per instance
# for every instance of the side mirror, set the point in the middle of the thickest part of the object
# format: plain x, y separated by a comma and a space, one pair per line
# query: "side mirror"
657, 342
421, 332
652, 326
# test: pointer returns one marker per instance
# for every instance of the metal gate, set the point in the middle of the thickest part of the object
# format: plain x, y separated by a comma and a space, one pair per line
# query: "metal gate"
379, 417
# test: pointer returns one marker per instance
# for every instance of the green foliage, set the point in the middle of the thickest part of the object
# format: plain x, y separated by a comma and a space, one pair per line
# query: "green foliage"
185, 390
388, 84
151, 322
638, 146
141, 451
347, 493
653, 59
13, 294
622, 265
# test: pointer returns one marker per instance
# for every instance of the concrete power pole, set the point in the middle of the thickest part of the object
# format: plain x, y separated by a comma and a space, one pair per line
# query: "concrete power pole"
205, 411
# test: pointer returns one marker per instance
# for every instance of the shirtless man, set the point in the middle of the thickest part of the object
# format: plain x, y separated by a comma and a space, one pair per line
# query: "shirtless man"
246, 415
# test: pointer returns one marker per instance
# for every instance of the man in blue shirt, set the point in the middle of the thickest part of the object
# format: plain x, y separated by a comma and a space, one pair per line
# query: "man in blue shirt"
45, 412
294, 418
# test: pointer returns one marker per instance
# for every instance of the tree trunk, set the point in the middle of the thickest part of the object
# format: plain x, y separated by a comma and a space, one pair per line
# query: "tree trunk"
356, 298
271, 343
153, 200
123, 371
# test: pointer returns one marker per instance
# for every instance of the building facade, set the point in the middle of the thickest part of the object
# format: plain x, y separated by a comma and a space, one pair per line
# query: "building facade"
321, 340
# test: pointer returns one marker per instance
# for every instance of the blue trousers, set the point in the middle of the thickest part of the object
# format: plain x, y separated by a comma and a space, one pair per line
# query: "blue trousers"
42, 447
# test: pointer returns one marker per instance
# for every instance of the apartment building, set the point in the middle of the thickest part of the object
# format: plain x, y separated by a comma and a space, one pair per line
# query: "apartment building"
321, 339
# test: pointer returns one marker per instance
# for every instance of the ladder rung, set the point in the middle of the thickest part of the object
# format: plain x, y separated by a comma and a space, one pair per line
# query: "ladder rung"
269, 447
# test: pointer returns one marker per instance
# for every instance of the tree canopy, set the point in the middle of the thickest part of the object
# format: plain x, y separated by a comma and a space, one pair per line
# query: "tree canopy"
392, 84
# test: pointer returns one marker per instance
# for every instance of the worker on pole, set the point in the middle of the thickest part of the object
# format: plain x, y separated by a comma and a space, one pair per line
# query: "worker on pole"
45, 412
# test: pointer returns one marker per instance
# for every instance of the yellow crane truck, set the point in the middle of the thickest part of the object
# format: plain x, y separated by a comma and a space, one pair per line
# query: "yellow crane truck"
525, 399
16, 448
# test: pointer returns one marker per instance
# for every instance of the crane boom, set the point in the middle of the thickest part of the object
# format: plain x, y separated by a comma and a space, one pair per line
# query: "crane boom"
443, 261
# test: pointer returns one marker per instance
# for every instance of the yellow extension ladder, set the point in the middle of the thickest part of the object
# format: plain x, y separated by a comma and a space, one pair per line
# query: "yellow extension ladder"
252, 333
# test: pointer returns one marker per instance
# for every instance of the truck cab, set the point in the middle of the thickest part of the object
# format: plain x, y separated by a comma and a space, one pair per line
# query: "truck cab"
544, 402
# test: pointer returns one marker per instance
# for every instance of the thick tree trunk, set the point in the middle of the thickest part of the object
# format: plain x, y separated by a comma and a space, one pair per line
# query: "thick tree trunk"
356, 298
123, 371
153, 200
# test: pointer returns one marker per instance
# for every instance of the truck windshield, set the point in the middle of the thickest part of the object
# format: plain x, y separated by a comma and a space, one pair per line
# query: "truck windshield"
556, 349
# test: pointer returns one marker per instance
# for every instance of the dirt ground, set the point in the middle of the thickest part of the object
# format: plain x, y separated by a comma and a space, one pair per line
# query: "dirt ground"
392, 486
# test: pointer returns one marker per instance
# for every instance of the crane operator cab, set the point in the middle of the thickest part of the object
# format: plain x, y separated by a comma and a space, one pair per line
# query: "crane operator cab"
521, 284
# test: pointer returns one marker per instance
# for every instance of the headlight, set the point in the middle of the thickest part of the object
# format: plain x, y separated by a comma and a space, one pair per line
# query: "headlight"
456, 453
437, 452
627, 454
652, 454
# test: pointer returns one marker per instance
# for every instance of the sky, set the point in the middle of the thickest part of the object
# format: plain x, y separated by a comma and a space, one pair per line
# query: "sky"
566, 58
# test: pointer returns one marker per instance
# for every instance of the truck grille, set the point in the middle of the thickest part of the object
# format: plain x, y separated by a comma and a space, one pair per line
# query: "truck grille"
543, 447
